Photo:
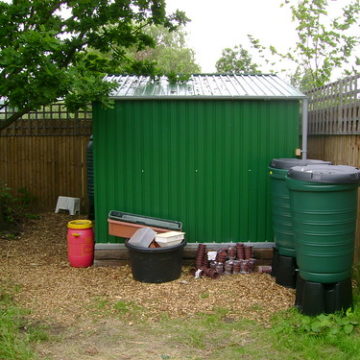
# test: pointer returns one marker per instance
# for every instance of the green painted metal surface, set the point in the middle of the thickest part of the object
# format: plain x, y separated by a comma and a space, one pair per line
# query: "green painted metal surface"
201, 162
281, 213
324, 220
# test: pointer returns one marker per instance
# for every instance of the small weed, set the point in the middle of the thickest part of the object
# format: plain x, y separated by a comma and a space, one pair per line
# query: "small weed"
127, 307
122, 307
101, 303
195, 338
14, 208
36, 333
321, 325
204, 295
100, 306
356, 278
32, 216
332, 325
256, 307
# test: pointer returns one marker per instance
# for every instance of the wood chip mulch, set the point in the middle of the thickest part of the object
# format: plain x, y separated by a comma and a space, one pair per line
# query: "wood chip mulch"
54, 291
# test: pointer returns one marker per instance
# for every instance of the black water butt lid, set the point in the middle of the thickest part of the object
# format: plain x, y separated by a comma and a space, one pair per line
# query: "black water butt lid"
288, 163
326, 174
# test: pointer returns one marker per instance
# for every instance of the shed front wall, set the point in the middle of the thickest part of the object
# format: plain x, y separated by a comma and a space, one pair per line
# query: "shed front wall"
201, 162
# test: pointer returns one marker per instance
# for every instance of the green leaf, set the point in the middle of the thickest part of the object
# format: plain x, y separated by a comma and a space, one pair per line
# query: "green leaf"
316, 326
334, 330
348, 329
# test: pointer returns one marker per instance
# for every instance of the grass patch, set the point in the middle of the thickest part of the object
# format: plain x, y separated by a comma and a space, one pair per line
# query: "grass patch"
127, 308
335, 336
215, 336
100, 306
16, 334
290, 335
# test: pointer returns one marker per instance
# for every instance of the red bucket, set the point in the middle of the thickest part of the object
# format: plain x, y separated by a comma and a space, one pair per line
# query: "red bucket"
80, 243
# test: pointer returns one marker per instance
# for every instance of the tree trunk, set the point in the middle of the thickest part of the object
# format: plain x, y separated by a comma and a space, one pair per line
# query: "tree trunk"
7, 122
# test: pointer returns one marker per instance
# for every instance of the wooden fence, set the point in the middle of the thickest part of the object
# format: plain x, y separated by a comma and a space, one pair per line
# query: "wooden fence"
334, 128
341, 150
334, 109
45, 152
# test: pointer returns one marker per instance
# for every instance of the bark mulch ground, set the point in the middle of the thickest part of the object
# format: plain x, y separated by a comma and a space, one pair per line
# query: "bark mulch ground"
36, 261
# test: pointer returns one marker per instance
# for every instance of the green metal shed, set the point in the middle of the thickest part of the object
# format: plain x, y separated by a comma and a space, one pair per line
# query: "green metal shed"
196, 152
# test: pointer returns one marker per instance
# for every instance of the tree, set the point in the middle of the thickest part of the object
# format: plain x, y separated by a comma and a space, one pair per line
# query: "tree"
236, 60
51, 49
170, 54
324, 44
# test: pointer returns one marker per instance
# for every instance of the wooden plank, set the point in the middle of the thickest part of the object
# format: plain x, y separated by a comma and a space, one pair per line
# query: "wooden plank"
48, 166
341, 150
118, 252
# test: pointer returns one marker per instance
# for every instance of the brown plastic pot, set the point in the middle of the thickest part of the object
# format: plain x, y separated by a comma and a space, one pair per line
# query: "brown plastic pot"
126, 230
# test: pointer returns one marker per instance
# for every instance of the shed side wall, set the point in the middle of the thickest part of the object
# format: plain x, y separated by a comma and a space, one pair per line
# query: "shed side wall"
200, 162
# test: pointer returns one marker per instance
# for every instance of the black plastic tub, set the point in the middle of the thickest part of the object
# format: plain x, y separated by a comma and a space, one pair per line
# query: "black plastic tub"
156, 265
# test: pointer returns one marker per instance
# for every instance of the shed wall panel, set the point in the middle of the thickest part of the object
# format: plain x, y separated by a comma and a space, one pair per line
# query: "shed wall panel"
200, 162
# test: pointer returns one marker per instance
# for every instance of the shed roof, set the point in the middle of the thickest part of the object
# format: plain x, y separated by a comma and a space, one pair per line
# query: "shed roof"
214, 86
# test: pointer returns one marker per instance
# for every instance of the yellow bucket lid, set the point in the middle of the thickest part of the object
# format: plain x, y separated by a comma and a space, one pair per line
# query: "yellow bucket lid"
79, 224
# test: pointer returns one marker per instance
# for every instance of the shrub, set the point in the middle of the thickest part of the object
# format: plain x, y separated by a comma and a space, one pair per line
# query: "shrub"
14, 206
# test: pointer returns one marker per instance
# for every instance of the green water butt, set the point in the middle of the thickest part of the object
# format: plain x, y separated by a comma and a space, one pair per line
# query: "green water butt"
324, 207
280, 202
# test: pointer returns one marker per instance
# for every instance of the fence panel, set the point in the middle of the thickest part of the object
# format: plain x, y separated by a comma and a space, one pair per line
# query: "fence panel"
47, 166
45, 152
341, 150
52, 120
334, 109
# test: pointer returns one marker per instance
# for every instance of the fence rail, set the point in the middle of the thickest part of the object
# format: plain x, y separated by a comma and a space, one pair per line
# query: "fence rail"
334, 109
52, 120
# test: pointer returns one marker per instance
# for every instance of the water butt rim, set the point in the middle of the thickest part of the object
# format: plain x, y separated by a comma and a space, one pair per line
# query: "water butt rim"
326, 174
155, 250
288, 163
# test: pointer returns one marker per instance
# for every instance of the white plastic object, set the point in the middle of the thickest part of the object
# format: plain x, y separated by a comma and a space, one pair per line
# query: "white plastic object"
143, 237
211, 255
70, 204
170, 238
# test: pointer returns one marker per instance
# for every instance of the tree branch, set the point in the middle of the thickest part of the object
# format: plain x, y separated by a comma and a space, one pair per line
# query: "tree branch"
69, 56
7, 122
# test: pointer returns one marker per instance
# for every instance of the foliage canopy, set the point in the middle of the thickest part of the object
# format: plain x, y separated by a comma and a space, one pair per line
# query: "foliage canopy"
236, 60
325, 43
169, 56
45, 48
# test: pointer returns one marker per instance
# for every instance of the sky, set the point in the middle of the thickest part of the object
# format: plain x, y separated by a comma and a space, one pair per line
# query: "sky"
218, 24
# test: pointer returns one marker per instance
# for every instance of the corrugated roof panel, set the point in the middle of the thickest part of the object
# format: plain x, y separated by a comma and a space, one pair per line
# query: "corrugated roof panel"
204, 86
